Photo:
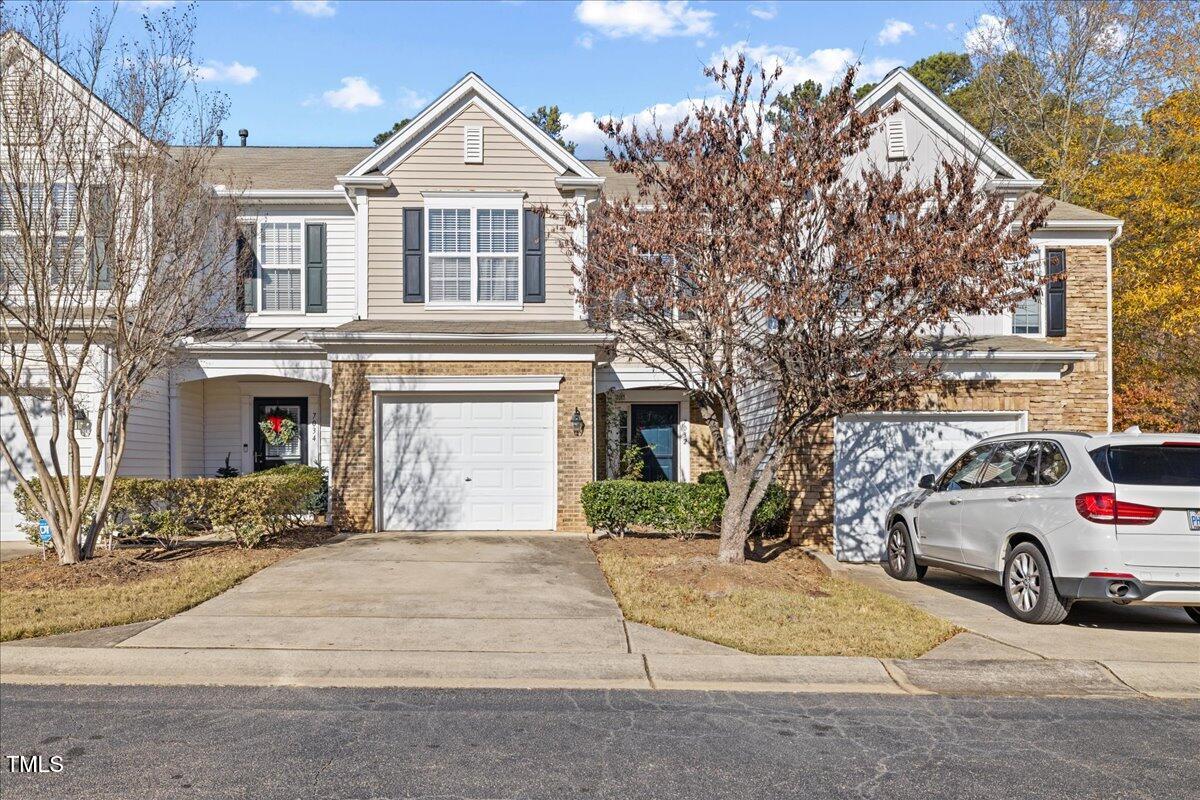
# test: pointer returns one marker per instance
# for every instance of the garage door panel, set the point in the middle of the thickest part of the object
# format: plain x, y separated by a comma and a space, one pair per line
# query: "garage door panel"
502, 445
879, 457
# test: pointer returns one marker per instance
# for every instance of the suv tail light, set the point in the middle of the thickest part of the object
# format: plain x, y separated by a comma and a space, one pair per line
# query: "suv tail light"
1105, 507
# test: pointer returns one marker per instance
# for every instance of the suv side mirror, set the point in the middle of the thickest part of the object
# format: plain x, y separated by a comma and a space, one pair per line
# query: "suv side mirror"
926, 482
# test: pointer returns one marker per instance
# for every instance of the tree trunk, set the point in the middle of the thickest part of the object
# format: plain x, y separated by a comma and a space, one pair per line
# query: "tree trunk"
67, 545
735, 520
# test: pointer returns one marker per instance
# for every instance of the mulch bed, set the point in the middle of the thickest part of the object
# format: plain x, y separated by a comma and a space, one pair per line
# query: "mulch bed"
127, 564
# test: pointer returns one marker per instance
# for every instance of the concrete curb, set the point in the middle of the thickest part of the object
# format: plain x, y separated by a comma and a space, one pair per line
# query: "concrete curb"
825, 674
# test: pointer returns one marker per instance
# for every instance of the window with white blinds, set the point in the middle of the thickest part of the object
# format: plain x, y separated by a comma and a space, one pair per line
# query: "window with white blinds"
69, 253
281, 254
474, 255
1027, 318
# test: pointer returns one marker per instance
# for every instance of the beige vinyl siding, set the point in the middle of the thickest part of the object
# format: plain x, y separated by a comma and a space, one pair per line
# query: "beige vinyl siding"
437, 165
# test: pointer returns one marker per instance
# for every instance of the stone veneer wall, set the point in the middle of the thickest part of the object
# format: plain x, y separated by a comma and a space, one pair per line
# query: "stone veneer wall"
353, 415
701, 450
1077, 401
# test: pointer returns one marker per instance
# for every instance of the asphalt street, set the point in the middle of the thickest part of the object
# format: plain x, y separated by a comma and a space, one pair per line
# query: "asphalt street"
152, 742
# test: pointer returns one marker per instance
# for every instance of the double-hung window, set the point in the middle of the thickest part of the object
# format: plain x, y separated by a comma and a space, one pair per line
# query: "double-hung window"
1027, 316
58, 217
474, 252
281, 255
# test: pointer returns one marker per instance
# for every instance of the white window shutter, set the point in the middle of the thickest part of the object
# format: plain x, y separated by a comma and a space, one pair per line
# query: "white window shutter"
473, 144
897, 140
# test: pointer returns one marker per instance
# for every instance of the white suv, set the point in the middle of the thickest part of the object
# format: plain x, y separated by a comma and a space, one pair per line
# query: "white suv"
1059, 517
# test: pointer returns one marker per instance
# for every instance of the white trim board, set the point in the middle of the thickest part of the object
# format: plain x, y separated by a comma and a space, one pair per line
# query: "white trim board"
464, 383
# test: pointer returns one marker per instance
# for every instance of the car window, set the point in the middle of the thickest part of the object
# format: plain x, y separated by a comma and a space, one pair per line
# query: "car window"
1052, 464
964, 472
1155, 465
1011, 464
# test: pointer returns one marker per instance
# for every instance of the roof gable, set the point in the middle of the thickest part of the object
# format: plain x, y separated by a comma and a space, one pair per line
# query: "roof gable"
443, 110
938, 115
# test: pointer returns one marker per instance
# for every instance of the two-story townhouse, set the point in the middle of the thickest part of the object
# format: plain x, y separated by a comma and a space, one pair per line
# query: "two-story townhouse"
413, 309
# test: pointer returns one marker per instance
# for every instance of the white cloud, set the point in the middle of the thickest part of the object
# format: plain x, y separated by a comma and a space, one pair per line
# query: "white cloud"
991, 34
217, 72
315, 8
355, 93
581, 128
1113, 37
585, 41
646, 19
764, 10
825, 66
409, 100
148, 5
893, 30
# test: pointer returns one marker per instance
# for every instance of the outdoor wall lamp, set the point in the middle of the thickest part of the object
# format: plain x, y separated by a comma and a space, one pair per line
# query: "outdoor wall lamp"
82, 421
577, 422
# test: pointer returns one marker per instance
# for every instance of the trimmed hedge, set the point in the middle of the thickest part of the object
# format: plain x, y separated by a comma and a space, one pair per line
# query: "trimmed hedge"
683, 509
250, 507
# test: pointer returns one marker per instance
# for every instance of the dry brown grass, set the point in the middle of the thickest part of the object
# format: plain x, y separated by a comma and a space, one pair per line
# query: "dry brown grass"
786, 605
39, 598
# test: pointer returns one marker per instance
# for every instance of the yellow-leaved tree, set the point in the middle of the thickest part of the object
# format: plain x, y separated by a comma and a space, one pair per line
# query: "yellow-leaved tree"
1155, 188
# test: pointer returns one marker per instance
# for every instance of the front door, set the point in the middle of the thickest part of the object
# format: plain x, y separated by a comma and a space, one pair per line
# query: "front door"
654, 428
286, 442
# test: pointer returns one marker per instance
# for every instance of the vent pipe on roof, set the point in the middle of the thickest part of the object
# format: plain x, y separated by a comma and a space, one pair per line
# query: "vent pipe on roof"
220, 138
243, 134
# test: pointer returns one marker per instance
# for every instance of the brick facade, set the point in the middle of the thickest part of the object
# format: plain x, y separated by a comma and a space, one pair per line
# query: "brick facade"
353, 421
1077, 401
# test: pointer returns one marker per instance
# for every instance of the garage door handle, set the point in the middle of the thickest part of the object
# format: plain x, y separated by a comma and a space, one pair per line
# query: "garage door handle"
1016, 498
468, 480
955, 501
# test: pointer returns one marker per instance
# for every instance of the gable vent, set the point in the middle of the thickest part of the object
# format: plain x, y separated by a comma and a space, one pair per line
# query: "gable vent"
897, 140
473, 144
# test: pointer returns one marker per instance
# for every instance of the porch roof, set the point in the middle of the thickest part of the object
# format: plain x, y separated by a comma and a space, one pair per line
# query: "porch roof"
576, 331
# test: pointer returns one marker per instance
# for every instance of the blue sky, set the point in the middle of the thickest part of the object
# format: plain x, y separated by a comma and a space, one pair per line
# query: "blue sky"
336, 73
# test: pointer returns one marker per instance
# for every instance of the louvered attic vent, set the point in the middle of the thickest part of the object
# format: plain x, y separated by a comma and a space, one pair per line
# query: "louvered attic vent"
473, 144
897, 140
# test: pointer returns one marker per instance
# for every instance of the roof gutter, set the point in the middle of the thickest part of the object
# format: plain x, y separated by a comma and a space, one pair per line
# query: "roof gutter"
578, 182
1008, 355
347, 337
364, 181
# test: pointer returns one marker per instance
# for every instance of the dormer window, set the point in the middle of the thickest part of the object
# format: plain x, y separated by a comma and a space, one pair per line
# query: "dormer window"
473, 144
897, 139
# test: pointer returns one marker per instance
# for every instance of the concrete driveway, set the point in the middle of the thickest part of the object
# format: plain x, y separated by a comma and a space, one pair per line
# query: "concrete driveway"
416, 592
1092, 631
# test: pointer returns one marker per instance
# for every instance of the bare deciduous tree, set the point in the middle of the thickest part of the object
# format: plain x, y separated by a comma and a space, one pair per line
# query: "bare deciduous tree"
1060, 84
773, 266
112, 249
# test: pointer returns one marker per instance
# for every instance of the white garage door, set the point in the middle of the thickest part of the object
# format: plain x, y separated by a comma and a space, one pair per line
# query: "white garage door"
878, 457
449, 463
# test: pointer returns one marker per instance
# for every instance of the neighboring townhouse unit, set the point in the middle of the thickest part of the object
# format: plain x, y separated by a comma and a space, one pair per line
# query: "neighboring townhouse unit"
412, 306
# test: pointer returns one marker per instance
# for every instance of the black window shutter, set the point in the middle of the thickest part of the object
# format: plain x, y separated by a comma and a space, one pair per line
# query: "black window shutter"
414, 255
100, 205
535, 257
315, 273
1056, 293
247, 267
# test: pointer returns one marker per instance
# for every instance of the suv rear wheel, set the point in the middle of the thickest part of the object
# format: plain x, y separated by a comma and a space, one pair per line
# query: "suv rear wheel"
898, 559
1029, 587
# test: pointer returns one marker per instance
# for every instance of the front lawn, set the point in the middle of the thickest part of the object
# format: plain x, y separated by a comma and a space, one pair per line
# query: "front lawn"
129, 584
783, 606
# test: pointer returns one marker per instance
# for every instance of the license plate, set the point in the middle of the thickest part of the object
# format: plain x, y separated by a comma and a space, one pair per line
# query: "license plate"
1194, 519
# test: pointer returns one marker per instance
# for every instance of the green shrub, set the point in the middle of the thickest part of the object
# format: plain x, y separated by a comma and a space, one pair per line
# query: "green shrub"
683, 509
680, 508
770, 518
250, 507
30, 517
